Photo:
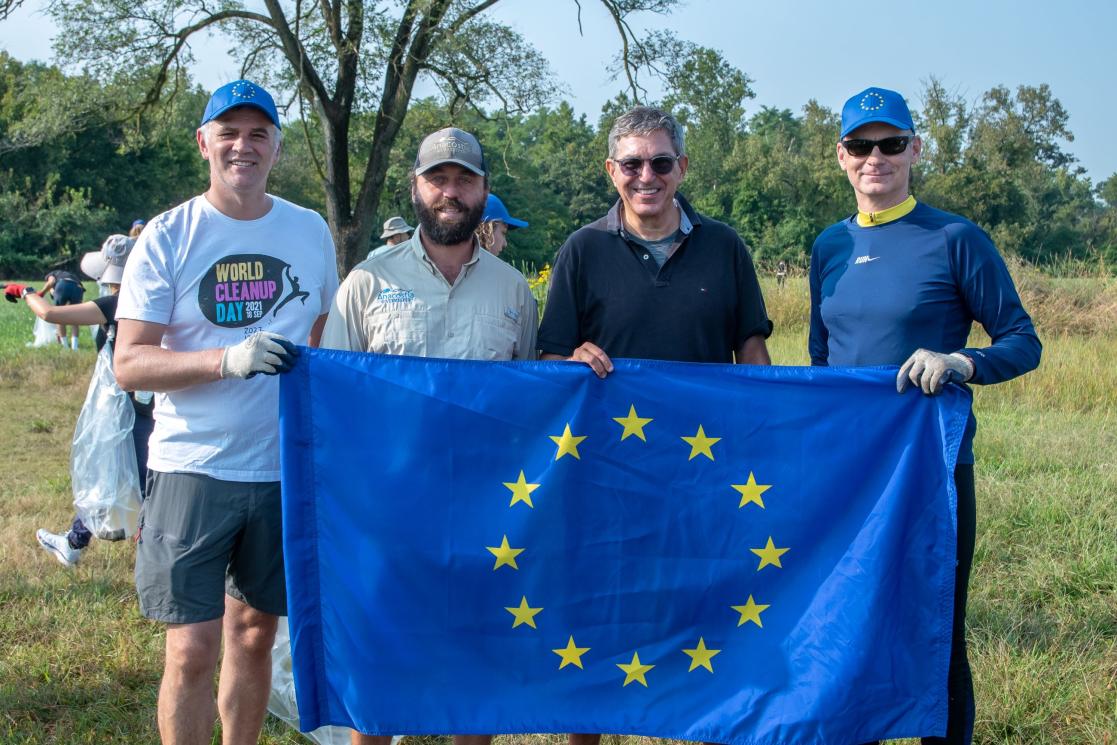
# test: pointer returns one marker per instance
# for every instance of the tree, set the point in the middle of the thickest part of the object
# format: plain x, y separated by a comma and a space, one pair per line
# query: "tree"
342, 58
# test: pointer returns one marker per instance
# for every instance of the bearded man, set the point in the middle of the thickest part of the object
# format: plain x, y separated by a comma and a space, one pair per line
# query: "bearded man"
438, 294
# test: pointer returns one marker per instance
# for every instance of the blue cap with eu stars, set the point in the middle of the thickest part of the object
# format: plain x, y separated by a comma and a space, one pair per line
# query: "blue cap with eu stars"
240, 93
876, 105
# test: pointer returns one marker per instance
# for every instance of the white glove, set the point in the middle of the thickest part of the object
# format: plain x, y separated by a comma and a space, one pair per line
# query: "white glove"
263, 352
932, 370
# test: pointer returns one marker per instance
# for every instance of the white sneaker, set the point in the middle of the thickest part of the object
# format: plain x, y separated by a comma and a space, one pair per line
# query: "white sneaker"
59, 547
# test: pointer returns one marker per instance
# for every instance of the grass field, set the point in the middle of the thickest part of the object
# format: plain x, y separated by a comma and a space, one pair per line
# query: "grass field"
79, 665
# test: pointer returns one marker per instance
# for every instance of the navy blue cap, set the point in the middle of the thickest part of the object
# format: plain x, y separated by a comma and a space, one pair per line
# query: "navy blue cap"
240, 93
876, 105
495, 210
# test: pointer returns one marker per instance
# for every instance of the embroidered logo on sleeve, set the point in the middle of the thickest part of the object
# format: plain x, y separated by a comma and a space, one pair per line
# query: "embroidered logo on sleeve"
865, 259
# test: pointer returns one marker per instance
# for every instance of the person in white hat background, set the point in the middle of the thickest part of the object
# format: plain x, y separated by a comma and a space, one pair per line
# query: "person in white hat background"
495, 224
106, 267
396, 231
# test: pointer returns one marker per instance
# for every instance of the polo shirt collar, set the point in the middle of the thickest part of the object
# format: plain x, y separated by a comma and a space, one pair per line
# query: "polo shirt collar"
688, 218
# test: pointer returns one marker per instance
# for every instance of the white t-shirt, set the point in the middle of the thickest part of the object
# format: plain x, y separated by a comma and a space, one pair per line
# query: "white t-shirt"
212, 281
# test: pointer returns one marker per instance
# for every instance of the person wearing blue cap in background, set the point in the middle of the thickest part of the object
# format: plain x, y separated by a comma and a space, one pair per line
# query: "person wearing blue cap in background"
214, 292
495, 224
901, 283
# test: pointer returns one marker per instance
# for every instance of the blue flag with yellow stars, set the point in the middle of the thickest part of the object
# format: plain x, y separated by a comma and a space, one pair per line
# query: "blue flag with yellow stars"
736, 554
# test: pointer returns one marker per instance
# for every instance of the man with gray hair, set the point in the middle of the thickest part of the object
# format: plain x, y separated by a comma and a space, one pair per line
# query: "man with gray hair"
215, 293
653, 279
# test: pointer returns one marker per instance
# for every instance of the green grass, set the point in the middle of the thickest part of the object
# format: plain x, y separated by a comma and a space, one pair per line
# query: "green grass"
79, 665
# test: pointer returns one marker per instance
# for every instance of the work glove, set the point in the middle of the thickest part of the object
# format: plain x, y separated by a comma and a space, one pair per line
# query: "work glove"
263, 352
13, 292
932, 370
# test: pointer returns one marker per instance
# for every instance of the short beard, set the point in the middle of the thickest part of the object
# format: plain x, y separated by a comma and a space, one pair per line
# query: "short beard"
447, 234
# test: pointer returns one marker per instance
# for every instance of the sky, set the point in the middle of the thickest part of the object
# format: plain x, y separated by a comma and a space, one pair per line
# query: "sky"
795, 51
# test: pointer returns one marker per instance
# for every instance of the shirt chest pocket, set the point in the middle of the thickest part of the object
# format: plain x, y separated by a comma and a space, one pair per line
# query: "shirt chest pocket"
494, 337
397, 331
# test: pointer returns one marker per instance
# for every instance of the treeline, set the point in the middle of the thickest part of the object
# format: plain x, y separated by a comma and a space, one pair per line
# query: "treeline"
78, 162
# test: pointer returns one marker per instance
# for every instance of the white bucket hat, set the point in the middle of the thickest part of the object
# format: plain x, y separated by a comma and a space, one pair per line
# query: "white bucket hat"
107, 265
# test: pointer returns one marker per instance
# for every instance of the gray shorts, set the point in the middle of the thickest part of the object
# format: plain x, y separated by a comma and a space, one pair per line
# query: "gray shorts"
201, 538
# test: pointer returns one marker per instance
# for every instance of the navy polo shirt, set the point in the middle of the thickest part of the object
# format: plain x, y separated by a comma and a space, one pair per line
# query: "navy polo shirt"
700, 306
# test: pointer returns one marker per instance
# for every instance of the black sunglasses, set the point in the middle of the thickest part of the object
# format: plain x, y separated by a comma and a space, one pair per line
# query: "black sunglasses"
661, 164
888, 146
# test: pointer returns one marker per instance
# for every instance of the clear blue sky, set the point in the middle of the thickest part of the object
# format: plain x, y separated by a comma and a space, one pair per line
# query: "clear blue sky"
806, 49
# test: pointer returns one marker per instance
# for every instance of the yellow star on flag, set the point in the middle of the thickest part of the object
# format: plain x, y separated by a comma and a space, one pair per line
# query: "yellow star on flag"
750, 611
570, 654
700, 656
505, 554
524, 614
633, 425
521, 490
567, 443
700, 443
635, 670
751, 491
769, 555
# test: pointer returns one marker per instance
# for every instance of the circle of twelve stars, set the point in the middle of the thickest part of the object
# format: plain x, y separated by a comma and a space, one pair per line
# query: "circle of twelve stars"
636, 670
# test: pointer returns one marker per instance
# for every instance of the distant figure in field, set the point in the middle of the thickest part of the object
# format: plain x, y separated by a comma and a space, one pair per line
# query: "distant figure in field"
901, 283
136, 229
781, 272
66, 289
495, 224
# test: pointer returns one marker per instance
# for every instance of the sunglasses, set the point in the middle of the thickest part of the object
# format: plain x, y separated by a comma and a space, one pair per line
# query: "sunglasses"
888, 146
661, 164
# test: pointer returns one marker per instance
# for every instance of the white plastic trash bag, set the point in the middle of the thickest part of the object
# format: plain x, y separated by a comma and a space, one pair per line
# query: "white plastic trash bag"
103, 457
282, 704
44, 334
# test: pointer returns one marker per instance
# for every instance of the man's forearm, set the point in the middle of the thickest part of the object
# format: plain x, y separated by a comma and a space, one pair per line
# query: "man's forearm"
150, 368
753, 352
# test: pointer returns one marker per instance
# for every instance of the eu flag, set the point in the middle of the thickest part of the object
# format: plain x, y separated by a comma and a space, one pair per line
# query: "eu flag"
706, 552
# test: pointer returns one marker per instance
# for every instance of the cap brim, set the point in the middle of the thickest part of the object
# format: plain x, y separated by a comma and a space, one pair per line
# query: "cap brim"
462, 163
92, 265
516, 223
244, 104
877, 120
389, 233
112, 275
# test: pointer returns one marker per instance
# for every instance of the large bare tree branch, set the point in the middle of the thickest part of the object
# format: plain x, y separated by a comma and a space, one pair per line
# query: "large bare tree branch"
296, 55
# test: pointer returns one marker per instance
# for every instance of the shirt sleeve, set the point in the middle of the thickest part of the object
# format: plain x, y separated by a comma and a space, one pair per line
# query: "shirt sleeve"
147, 290
107, 306
991, 296
529, 326
560, 332
752, 316
818, 343
329, 271
345, 328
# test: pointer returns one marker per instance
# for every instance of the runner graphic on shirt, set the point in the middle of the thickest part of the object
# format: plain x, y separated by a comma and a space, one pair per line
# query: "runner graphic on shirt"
241, 289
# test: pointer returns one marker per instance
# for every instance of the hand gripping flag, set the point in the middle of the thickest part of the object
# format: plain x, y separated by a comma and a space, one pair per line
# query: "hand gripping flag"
705, 552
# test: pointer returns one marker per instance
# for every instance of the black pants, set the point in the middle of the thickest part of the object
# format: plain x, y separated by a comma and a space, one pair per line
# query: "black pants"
959, 682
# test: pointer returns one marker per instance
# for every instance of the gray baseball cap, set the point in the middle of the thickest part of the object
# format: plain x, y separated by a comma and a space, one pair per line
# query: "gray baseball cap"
450, 145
